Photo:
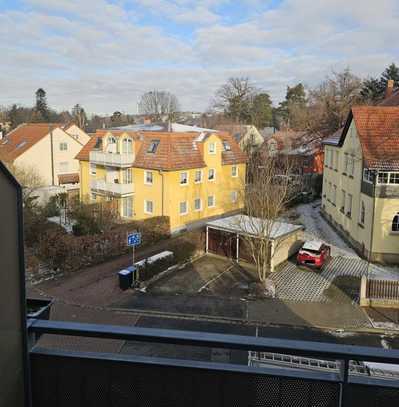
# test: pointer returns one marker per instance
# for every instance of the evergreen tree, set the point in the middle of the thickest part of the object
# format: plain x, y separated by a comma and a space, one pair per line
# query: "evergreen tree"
41, 108
390, 73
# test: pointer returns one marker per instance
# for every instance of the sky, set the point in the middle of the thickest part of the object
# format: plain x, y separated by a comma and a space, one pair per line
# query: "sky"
103, 54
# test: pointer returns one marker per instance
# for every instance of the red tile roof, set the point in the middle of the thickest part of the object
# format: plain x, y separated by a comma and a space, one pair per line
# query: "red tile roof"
175, 150
378, 131
22, 138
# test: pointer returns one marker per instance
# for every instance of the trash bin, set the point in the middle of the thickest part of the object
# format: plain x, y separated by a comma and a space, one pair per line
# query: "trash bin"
125, 279
134, 271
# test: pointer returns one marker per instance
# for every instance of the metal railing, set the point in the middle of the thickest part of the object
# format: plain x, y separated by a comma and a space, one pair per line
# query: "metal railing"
152, 380
122, 160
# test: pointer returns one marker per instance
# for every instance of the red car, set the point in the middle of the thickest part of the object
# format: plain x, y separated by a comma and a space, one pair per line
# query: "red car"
314, 254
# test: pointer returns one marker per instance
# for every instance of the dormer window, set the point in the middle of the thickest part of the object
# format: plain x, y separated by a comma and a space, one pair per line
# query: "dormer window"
99, 144
212, 148
153, 146
226, 146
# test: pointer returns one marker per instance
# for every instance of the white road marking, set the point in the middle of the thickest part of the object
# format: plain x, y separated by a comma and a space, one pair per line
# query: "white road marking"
214, 279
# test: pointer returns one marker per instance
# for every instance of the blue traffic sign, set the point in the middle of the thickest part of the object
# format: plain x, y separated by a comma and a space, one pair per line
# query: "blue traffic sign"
133, 239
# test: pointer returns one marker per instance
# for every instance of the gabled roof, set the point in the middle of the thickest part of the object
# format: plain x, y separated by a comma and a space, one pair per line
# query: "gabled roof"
22, 138
378, 131
174, 151
25, 136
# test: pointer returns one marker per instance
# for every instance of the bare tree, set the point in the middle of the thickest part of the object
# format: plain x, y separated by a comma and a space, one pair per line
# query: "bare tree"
158, 104
29, 178
234, 98
266, 195
79, 115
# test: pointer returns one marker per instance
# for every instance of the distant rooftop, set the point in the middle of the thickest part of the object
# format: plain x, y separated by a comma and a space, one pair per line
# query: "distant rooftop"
174, 127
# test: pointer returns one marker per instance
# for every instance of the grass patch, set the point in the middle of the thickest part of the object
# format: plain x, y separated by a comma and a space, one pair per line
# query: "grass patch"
343, 287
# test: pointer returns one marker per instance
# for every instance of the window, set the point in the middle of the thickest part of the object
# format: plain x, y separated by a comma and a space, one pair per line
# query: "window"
127, 207
152, 149
327, 157
351, 165
362, 213
336, 160
184, 178
329, 191
127, 176
198, 176
197, 204
127, 145
343, 200
63, 146
394, 178
346, 162
148, 178
148, 207
93, 169
211, 174
183, 208
234, 171
226, 146
63, 166
395, 223
234, 196
349, 206
212, 148
334, 197
111, 145
368, 175
382, 178
211, 201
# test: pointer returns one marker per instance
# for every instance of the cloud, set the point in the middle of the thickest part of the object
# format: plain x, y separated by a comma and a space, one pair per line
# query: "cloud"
104, 54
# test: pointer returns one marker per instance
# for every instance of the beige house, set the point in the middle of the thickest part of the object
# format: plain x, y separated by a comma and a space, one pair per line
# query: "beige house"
360, 194
246, 135
50, 148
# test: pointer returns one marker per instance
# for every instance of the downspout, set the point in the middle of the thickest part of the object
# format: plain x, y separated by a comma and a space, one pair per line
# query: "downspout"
52, 154
372, 225
161, 173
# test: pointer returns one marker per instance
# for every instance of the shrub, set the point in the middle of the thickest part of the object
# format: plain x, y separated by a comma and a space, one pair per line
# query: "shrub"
52, 207
149, 270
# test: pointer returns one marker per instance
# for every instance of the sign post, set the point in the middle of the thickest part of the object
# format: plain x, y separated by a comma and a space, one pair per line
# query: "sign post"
133, 240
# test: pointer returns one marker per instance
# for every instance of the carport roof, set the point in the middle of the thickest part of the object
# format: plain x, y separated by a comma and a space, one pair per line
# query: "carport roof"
243, 224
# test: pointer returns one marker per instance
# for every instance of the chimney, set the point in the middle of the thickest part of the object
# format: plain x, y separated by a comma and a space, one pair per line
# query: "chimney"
389, 89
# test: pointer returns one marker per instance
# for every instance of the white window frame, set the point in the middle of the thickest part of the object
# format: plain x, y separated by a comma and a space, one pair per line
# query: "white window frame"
343, 200
180, 212
234, 196
129, 210
93, 169
362, 213
367, 175
146, 201
200, 208
395, 221
389, 174
348, 210
187, 175
214, 175
234, 174
201, 176
214, 201
334, 194
62, 145
210, 150
145, 178
127, 176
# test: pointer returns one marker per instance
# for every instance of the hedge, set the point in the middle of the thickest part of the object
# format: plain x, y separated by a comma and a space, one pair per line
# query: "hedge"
71, 253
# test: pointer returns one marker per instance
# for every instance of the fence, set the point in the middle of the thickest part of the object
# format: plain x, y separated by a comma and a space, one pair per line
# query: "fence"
99, 379
379, 293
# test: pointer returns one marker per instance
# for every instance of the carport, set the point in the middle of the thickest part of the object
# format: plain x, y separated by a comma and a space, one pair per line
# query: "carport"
224, 237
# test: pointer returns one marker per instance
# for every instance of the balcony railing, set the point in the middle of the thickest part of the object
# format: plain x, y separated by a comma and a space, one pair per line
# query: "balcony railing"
60, 377
122, 160
102, 186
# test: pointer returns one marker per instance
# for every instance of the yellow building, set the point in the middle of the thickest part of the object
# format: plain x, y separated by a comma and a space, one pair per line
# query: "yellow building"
361, 182
185, 176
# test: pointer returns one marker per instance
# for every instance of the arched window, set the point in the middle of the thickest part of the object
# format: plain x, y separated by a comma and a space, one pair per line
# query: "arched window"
111, 144
395, 223
127, 145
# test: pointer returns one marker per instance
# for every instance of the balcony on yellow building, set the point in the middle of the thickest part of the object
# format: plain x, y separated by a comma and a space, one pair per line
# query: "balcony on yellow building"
113, 188
112, 159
